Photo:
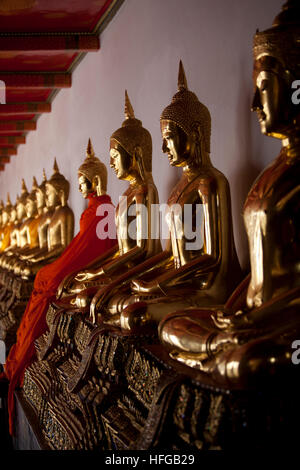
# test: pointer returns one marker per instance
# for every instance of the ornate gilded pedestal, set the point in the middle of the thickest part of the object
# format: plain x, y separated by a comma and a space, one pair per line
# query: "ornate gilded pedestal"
128, 394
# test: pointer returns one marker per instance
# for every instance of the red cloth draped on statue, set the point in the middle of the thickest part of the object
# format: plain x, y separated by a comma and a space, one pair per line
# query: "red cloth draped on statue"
85, 247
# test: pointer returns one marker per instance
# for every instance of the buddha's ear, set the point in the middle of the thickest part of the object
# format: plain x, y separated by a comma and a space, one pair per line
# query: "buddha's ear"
96, 184
62, 197
138, 156
197, 132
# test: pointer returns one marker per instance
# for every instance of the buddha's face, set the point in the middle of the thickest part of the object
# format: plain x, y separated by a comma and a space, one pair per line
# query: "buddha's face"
176, 143
20, 211
120, 161
85, 186
52, 198
270, 103
40, 198
30, 207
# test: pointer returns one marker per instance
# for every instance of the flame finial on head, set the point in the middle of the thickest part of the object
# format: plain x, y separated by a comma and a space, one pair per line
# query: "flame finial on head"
8, 203
89, 150
55, 166
182, 83
24, 188
128, 111
44, 175
34, 184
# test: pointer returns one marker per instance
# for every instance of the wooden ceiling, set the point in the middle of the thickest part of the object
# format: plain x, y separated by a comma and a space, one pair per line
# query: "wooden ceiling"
41, 42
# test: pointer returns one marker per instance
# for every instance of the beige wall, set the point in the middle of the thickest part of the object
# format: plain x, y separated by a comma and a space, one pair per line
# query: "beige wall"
140, 51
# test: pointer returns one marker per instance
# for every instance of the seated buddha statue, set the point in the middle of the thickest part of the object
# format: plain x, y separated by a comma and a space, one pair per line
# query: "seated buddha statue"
28, 231
199, 265
92, 176
7, 224
59, 224
131, 159
252, 336
10, 254
43, 220
1, 221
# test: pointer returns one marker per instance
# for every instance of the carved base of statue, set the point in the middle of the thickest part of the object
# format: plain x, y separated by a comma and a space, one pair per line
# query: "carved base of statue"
13, 301
125, 392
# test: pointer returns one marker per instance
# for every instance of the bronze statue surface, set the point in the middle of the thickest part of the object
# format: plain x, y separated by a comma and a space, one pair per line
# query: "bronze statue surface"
255, 331
194, 269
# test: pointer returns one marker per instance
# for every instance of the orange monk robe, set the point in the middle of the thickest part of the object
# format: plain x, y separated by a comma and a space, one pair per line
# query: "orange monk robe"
85, 247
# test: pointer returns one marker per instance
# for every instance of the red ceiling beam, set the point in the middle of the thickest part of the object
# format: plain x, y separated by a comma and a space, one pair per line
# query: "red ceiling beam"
24, 108
36, 80
50, 42
5, 151
2, 167
4, 159
17, 126
12, 139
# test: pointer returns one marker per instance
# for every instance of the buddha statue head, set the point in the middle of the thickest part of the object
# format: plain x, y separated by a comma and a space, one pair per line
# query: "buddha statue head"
57, 189
21, 202
131, 148
6, 211
13, 209
92, 174
186, 127
40, 194
1, 210
31, 200
276, 68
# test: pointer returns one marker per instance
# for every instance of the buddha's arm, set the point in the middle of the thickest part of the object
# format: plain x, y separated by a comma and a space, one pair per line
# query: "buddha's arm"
43, 241
156, 261
96, 262
52, 254
58, 244
144, 239
23, 234
33, 252
207, 260
142, 244
67, 228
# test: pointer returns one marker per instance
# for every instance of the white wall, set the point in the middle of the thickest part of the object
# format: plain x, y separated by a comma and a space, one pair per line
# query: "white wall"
140, 51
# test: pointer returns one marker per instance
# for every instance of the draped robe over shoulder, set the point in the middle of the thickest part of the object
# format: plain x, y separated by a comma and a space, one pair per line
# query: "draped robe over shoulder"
85, 247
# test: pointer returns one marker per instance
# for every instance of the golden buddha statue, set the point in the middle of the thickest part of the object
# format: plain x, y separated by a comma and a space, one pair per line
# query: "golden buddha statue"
199, 265
131, 159
27, 233
8, 218
15, 241
58, 224
1, 221
252, 336
42, 219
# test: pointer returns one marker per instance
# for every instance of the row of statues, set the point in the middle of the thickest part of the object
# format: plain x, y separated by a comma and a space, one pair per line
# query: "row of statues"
205, 314
38, 227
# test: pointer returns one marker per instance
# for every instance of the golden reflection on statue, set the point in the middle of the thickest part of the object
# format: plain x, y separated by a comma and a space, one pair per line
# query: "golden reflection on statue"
253, 334
27, 230
9, 216
131, 159
1, 222
55, 229
194, 269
